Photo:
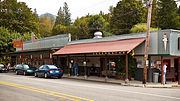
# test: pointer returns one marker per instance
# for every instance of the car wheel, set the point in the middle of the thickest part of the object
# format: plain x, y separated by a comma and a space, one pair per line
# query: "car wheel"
17, 73
24, 73
45, 75
35, 74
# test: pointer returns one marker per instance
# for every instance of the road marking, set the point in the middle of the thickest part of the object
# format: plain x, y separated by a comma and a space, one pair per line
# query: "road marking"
44, 91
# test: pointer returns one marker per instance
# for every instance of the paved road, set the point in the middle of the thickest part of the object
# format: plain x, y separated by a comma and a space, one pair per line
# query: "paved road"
28, 88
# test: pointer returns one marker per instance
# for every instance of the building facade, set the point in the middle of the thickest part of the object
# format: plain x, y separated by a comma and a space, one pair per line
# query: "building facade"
94, 55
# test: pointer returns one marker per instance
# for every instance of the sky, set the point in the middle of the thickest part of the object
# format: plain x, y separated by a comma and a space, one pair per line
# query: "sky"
77, 8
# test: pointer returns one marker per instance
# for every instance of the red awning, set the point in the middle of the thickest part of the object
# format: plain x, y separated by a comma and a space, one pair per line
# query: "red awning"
125, 45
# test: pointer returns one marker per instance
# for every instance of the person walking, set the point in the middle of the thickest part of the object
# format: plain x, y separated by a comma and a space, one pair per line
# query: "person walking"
164, 72
75, 69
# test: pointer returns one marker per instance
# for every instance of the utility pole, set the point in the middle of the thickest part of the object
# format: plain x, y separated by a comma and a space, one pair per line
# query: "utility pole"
147, 41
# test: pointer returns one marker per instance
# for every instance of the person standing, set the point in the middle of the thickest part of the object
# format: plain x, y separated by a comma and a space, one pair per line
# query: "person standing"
164, 72
75, 69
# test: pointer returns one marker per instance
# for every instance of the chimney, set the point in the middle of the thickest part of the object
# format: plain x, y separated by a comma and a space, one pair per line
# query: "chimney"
97, 35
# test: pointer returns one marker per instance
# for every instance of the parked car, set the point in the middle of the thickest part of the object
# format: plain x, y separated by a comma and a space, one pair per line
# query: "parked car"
3, 68
24, 69
47, 71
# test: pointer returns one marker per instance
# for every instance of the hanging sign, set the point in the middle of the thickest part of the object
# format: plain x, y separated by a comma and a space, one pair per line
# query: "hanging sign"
17, 43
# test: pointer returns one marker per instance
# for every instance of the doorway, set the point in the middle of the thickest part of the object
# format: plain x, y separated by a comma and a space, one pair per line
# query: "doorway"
176, 66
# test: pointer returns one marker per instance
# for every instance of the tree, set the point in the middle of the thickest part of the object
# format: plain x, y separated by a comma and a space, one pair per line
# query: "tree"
59, 29
80, 28
46, 24
96, 23
126, 14
67, 15
141, 27
167, 14
17, 16
63, 20
7, 37
60, 17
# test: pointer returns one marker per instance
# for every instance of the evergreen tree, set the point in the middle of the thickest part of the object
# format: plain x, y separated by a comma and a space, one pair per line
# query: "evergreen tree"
67, 15
126, 14
167, 14
59, 17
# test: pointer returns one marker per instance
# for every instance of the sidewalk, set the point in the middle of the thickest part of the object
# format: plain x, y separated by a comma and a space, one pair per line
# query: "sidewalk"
132, 83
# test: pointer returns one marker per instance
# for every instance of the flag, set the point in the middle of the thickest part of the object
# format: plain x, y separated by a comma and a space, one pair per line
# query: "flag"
32, 37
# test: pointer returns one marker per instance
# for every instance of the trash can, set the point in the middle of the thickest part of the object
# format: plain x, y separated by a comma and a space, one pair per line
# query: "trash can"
155, 77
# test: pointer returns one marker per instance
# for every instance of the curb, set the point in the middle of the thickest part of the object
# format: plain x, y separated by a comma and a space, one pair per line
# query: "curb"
128, 84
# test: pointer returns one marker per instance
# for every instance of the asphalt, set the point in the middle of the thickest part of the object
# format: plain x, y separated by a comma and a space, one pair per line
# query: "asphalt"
29, 88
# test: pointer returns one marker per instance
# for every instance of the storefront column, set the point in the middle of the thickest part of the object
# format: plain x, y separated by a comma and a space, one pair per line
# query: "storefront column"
40, 59
126, 80
50, 60
31, 59
179, 71
161, 69
106, 68
85, 67
68, 66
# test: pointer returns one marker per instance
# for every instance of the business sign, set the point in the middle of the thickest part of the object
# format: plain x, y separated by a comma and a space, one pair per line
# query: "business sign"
17, 43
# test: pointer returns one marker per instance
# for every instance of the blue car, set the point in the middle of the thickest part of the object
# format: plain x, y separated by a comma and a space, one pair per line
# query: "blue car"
47, 71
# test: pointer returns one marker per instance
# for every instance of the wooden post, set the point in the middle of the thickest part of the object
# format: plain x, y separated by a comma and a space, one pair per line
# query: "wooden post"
68, 65
85, 67
147, 41
162, 70
22, 60
106, 68
179, 71
127, 80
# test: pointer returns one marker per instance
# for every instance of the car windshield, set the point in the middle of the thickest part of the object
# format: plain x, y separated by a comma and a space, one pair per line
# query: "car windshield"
52, 67
26, 66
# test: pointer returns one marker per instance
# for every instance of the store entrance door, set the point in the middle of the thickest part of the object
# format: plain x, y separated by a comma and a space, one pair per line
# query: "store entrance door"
176, 66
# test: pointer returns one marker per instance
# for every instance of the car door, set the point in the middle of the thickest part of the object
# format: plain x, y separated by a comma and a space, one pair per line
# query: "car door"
39, 71
21, 69
18, 68
44, 70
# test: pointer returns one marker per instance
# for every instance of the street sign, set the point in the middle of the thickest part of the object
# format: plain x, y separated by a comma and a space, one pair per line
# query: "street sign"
17, 43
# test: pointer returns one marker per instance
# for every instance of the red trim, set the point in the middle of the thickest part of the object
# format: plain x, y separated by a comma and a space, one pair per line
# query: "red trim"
22, 49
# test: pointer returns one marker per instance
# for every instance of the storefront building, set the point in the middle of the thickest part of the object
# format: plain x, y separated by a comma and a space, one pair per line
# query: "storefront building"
94, 55
40, 51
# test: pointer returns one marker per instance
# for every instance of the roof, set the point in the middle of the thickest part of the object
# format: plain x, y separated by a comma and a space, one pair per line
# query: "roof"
125, 45
57, 41
110, 38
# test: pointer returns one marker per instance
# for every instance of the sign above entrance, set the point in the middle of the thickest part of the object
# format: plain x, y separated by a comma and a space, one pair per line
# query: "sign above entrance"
17, 43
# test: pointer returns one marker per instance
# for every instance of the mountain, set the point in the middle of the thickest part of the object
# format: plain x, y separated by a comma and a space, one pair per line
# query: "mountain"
48, 14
